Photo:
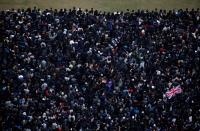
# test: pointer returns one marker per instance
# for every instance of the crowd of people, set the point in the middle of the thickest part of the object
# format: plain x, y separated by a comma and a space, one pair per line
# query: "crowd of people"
92, 70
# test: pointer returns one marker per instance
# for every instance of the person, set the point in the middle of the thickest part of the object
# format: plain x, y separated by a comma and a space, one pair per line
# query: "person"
92, 70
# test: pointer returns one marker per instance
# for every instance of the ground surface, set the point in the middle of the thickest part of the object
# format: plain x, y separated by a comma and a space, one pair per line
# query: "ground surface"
106, 5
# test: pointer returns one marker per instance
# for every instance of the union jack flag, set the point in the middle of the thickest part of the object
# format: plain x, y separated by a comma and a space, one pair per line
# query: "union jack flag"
172, 92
